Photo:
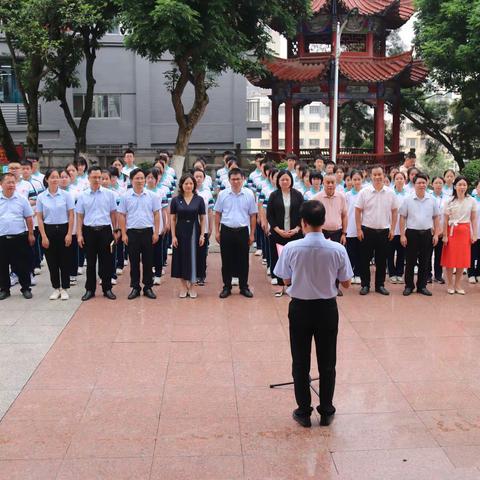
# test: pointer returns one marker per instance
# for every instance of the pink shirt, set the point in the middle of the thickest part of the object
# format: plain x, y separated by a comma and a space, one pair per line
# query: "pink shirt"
377, 207
335, 207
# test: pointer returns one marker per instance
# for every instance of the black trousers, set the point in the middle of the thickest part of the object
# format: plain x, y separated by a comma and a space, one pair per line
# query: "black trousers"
158, 256
59, 257
234, 249
437, 266
202, 253
474, 270
353, 250
419, 249
317, 319
37, 250
273, 240
375, 242
15, 253
140, 248
74, 257
97, 247
396, 257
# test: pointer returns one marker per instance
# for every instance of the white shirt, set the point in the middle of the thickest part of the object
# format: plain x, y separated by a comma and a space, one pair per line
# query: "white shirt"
207, 196
236, 208
96, 207
376, 206
419, 212
351, 197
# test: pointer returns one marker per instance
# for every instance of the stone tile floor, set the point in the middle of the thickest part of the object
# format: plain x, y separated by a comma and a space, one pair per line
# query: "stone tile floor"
178, 389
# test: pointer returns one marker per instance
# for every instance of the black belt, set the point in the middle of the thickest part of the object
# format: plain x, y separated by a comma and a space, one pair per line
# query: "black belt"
139, 230
317, 300
98, 228
56, 225
233, 229
422, 232
17, 235
331, 231
376, 230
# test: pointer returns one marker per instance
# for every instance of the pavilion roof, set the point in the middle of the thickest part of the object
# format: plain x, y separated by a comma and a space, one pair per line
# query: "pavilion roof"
397, 12
356, 69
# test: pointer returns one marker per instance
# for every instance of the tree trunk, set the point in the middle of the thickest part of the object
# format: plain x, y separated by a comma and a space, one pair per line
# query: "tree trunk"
6, 140
187, 122
32, 119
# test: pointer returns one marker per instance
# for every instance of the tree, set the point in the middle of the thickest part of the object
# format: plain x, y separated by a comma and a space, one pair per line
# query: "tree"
80, 25
205, 38
25, 24
448, 38
6, 139
356, 123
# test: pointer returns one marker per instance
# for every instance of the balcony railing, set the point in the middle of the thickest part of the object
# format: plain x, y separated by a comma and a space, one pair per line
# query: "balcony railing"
15, 113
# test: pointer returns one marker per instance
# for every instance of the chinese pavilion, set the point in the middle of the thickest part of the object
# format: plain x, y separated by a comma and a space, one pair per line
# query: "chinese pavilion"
366, 74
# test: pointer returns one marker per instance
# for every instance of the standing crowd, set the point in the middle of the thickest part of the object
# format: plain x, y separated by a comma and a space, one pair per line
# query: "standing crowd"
415, 229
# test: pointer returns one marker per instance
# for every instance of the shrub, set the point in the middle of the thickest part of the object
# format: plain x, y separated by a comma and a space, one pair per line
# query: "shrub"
472, 172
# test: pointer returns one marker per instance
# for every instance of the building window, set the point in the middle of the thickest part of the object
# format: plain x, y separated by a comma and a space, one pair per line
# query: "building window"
326, 143
315, 109
104, 106
265, 143
314, 127
281, 143
253, 110
314, 142
411, 142
264, 110
281, 110
9, 92
281, 125
327, 126
302, 126
302, 142
265, 127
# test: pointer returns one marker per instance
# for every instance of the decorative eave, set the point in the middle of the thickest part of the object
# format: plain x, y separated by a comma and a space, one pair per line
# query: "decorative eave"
364, 70
396, 12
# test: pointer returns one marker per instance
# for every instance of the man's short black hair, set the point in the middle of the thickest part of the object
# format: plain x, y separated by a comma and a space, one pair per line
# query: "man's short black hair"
128, 150
291, 156
135, 172
259, 156
312, 213
378, 165
26, 163
227, 153
94, 168
113, 171
420, 175
235, 171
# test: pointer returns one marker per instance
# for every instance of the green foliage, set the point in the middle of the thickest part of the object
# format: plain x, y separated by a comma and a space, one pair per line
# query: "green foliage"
434, 162
472, 172
282, 165
356, 123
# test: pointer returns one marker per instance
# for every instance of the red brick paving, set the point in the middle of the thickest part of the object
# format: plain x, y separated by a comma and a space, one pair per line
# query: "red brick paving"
178, 389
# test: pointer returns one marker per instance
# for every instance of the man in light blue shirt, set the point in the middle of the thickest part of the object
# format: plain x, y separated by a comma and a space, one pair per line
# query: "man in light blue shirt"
310, 267
16, 237
139, 220
419, 229
235, 220
96, 214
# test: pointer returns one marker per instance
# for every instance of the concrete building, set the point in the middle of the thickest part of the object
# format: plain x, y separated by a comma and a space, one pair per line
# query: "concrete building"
131, 105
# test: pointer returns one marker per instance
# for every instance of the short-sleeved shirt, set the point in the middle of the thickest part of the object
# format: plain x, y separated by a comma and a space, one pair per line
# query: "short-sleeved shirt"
300, 260
376, 206
96, 207
139, 208
13, 212
351, 197
207, 196
460, 211
419, 212
335, 207
55, 207
236, 208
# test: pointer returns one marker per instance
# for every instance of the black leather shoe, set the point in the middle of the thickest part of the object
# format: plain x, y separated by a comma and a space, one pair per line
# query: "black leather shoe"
441, 281
302, 419
148, 292
88, 295
382, 290
4, 295
326, 420
134, 293
226, 292
27, 294
424, 291
110, 295
364, 290
429, 280
407, 291
246, 292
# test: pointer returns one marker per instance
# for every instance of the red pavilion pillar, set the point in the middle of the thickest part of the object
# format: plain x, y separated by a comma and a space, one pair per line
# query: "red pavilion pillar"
275, 107
396, 123
296, 130
380, 126
288, 125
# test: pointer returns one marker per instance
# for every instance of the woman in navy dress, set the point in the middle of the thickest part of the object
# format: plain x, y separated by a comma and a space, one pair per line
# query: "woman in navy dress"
187, 212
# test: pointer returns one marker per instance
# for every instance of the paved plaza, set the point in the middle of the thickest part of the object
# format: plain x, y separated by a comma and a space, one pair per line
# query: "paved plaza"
178, 389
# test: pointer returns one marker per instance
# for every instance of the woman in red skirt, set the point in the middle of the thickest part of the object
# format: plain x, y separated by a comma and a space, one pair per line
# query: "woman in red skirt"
458, 235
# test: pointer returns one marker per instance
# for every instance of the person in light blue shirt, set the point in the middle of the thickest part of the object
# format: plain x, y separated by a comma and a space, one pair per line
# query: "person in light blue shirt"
235, 221
96, 215
313, 309
55, 222
16, 237
139, 220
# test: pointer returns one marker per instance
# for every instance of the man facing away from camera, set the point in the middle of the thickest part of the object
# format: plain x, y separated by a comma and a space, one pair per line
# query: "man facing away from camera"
313, 309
